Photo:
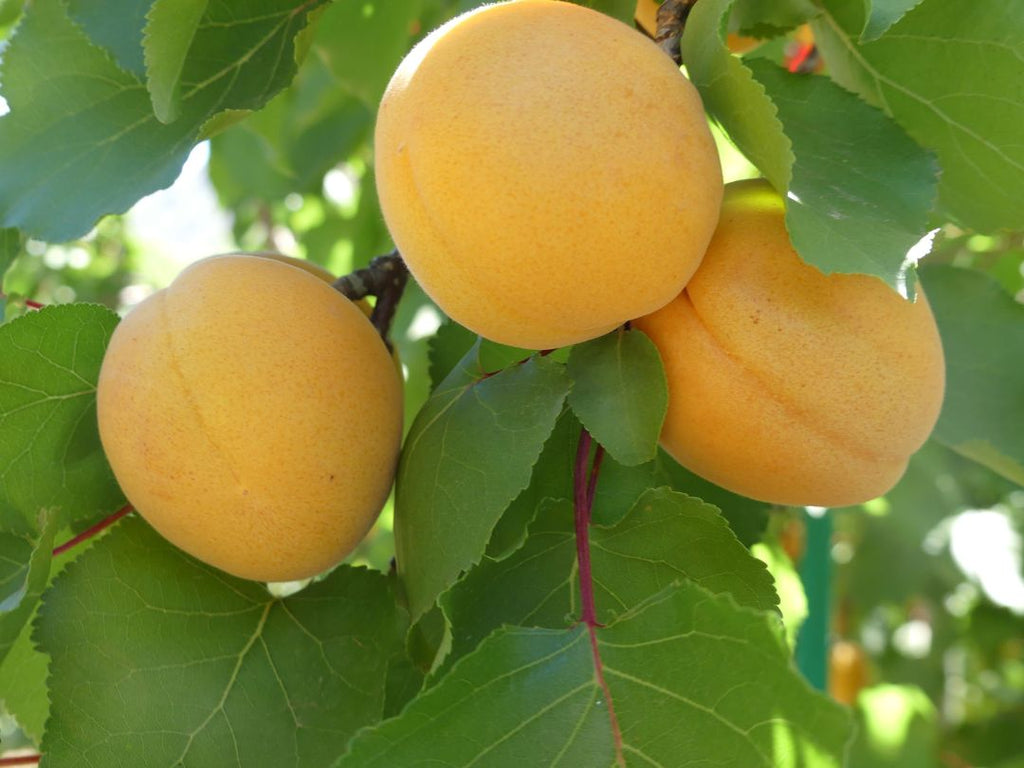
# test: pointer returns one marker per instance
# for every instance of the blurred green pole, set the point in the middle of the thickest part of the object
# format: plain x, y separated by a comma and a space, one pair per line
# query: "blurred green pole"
816, 574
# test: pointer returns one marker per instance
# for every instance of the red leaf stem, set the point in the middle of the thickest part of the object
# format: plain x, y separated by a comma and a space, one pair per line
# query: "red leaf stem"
21, 760
88, 533
584, 485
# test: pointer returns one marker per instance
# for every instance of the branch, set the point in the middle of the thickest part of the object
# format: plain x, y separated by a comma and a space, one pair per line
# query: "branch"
671, 20
385, 278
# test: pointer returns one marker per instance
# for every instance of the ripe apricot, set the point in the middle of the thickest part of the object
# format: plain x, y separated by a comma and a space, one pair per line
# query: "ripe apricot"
546, 172
786, 384
253, 416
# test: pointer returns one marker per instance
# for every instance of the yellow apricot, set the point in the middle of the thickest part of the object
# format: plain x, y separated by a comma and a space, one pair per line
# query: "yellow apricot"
546, 172
786, 384
253, 416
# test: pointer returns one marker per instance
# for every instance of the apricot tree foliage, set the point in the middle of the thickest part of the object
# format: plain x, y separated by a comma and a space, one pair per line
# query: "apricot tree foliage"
564, 593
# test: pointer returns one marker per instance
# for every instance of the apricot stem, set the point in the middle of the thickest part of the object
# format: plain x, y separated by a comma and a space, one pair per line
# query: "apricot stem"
385, 278
88, 533
672, 16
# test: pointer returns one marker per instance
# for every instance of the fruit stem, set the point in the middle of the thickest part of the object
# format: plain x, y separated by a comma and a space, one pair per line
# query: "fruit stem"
385, 278
88, 533
672, 16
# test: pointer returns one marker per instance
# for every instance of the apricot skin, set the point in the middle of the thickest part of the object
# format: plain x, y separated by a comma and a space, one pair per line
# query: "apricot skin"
546, 172
786, 384
252, 415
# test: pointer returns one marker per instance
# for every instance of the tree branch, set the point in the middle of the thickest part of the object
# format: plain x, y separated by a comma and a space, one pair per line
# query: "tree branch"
672, 16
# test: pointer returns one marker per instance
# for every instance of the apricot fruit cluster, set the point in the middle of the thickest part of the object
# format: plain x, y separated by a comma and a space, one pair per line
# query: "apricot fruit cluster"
546, 172
787, 384
253, 416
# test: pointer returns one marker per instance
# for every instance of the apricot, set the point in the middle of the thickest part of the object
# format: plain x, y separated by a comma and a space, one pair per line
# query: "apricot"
253, 416
786, 384
546, 172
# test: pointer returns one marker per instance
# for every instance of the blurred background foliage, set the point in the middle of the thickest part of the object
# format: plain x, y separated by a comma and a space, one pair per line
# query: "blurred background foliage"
927, 618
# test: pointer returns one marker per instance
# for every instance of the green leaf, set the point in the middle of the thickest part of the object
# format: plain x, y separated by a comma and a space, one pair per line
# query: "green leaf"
120, 33
622, 10
747, 517
965, 104
291, 143
50, 452
843, 164
23, 690
24, 570
666, 536
982, 331
526, 697
10, 247
861, 190
81, 139
446, 348
694, 681
620, 393
177, 663
171, 28
731, 94
469, 452
885, 13
759, 19
363, 43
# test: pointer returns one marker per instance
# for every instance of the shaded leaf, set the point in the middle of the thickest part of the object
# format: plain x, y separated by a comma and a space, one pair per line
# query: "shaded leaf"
171, 28
363, 43
24, 569
620, 393
861, 190
23, 690
694, 681
885, 13
526, 697
965, 104
469, 453
243, 678
50, 452
81, 139
753, 17
10, 246
982, 331
120, 33
731, 94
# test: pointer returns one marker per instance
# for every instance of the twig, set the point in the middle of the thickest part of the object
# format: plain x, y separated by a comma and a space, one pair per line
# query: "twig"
385, 278
672, 16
